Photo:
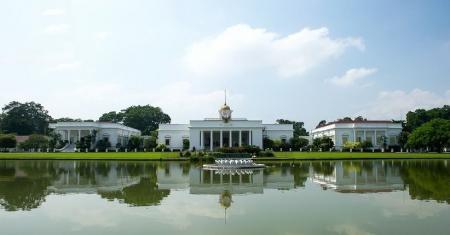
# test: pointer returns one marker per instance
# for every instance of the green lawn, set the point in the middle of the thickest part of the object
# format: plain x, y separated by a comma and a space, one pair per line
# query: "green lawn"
356, 155
94, 156
175, 156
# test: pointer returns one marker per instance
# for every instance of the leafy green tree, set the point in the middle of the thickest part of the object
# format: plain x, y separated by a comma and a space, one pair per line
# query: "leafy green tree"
7, 141
366, 145
144, 118
297, 143
35, 142
150, 142
67, 119
112, 117
103, 144
421, 116
135, 142
25, 118
186, 144
352, 145
299, 129
267, 143
434, 134
325, 143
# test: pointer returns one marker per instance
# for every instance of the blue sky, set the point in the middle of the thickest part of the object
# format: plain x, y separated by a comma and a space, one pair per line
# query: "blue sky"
300, 60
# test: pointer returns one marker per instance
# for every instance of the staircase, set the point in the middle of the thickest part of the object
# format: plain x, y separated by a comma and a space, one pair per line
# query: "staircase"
69, 148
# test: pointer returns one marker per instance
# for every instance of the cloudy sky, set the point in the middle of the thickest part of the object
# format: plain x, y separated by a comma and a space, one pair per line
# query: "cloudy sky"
300, 60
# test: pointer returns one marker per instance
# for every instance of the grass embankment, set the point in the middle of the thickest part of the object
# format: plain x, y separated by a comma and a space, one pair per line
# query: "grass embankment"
95, 156
354, 155
175, 156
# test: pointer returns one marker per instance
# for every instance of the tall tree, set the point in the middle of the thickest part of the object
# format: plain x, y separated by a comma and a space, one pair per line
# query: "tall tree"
421, 116
144, 118
112, 116
434, 134
299, 130
25, 118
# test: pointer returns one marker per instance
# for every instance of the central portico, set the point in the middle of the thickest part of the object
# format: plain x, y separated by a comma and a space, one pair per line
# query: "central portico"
213, 133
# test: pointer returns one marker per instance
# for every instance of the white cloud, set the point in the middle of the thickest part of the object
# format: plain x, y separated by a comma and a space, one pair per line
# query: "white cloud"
395, 104
57, 28
53, 12
101, 36
183, 102
352, 76
241, 48
66, 66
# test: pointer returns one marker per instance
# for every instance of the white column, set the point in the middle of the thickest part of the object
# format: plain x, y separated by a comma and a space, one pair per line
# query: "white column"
201, 140
79, 135
375, 142
240, 138
221, 139
211, 140
231, 142
68, 135
354, 135
250, 137
364, 136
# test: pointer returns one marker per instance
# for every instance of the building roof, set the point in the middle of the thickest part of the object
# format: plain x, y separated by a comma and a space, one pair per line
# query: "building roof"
342, 121
75, 125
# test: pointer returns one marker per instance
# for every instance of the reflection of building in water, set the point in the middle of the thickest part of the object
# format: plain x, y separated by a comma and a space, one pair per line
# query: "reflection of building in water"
76, 177
358, 177
282, 180
173, 176
214, 182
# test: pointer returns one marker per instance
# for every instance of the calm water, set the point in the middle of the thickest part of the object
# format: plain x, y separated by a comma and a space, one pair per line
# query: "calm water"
337, 197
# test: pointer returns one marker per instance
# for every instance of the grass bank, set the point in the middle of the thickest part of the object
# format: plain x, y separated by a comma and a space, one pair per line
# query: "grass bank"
354, 155
94, 156
167, 156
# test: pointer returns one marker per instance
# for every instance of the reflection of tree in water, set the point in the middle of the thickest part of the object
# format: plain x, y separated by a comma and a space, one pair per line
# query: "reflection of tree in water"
430, 180
24, 192
144, 193
324, 168
300, 171
225, 201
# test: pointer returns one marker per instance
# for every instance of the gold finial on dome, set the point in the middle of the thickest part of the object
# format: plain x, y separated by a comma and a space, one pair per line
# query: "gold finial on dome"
225, 111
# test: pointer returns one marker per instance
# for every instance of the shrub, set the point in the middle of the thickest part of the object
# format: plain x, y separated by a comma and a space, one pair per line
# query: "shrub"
150, 142
243, 149
35, 142
7, 141
366, 145
103, 144
161, 147
186, 144
266, 153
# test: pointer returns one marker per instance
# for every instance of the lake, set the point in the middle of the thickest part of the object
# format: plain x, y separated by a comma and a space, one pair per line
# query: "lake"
296, 197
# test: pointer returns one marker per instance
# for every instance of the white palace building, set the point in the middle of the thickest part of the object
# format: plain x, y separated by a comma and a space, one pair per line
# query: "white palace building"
212, 133
373, 131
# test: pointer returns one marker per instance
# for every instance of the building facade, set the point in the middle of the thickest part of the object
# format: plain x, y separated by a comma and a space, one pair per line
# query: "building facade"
213, 133
376, 132
114, 132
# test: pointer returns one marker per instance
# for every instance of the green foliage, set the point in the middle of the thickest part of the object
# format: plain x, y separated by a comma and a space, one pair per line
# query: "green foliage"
144, 118
67, 119
243, 149
103, 144
55, 140
298, 143
266, 153
366, 145
135, 142
299, 129
25, 118
112, 116
434, 134
267, 143
421, 116
7, 141
35, 142
352, 145
321, 123
161, 147
403, 139
150, 143
324, 143
186, 144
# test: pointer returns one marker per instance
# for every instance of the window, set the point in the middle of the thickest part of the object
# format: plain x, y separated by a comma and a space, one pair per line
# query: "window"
167, 143
283, 139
